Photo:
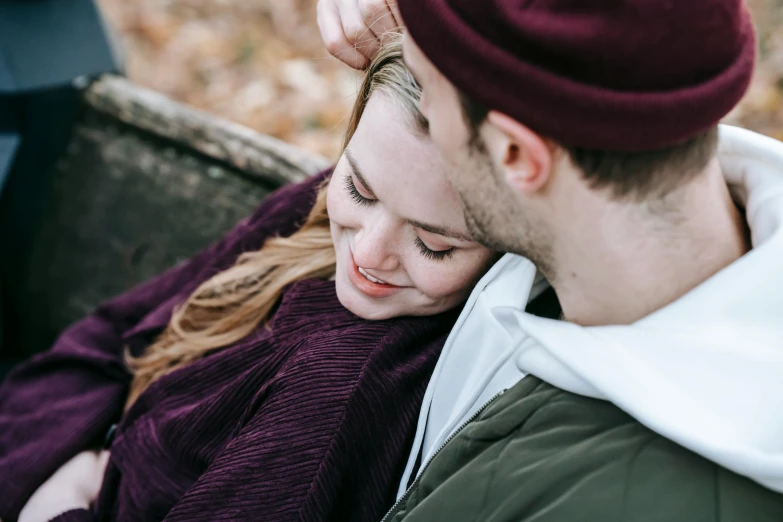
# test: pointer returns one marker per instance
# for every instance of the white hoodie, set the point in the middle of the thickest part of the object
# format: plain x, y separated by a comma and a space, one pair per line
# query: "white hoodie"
705, 371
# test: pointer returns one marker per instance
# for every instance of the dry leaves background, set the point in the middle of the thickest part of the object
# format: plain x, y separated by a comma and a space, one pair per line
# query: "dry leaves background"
261, 63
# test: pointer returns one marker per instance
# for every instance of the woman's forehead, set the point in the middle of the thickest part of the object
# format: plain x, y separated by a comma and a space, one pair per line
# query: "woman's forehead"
403, 169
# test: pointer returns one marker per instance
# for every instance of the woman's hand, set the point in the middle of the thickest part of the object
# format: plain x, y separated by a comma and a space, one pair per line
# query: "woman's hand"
353, 29
74, 486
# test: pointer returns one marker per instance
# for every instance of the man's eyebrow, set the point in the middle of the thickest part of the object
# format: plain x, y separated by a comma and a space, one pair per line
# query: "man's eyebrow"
441, 231
357, 172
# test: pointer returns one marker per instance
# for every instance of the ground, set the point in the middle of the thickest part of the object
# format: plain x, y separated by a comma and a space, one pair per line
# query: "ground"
261, 63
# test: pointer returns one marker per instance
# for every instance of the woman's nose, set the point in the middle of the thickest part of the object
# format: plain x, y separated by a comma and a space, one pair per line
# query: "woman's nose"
373, 248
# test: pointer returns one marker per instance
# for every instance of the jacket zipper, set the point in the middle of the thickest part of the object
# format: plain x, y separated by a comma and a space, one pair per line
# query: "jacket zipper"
451, 437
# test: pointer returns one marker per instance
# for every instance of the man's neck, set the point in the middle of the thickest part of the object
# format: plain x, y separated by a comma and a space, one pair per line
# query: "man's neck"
627, 260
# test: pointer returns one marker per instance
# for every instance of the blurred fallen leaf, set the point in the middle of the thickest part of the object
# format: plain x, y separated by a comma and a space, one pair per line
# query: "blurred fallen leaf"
262, 64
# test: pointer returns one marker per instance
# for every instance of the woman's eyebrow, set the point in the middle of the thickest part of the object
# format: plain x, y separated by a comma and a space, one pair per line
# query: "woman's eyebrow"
441, 231
432, 229
358, 173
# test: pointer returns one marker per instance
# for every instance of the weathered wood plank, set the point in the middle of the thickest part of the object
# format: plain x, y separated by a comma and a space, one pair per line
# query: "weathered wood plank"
125, 205
254, 153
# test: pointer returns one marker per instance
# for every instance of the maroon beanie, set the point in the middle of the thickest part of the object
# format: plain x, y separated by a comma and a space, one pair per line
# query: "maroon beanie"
622, 75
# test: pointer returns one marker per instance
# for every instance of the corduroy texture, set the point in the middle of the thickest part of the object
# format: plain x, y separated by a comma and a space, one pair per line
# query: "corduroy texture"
309, 420
619, 75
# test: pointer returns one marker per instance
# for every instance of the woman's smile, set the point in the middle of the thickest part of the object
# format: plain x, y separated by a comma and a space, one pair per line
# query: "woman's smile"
369, 287
401, 243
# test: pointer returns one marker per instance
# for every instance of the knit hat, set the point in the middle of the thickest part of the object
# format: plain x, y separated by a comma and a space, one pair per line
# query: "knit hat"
621, 75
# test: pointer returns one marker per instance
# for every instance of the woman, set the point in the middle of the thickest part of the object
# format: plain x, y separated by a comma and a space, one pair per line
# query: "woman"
278, 374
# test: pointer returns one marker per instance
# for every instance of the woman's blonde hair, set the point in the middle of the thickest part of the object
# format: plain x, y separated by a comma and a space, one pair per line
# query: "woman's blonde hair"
233, 303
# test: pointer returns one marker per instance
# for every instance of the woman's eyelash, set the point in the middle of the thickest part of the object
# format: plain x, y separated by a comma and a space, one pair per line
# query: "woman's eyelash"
350, 186
355, 194
436, 255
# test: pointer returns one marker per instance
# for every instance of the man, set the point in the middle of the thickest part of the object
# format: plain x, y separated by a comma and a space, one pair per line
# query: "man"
582, 136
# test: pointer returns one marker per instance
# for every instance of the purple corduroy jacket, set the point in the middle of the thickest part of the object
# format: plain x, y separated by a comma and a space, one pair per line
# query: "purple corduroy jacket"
309, 420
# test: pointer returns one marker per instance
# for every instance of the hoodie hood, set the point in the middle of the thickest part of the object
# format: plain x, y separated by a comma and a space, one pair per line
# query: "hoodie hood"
706, 371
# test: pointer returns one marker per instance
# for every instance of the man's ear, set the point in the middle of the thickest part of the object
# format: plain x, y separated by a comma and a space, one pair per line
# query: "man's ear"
526, 157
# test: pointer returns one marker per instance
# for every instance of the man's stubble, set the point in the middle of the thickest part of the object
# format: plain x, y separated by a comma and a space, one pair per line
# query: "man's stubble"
495, 217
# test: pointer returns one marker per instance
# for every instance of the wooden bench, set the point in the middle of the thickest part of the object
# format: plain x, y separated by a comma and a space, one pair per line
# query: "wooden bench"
145, 183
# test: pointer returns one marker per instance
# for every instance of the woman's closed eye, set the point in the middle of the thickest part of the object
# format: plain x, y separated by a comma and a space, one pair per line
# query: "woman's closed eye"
356, 195
360, 199
435, 255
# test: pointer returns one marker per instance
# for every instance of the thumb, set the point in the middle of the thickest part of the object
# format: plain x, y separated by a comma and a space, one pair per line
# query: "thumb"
93, 487
102, 462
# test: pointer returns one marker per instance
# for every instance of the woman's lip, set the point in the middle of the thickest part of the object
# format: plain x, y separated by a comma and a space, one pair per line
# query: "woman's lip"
366, 286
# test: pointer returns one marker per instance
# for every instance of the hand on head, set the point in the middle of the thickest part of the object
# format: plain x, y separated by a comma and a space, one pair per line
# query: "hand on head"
353, 30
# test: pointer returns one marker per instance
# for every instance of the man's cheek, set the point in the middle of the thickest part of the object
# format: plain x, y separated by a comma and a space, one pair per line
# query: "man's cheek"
440, 134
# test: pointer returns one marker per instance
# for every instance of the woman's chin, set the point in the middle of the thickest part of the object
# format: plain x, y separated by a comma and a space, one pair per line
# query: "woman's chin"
361, 306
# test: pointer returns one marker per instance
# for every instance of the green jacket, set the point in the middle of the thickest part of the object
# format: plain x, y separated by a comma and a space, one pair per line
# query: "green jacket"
540, 454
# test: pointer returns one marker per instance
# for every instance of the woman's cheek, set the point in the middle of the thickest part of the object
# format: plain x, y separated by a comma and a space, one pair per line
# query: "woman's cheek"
440, 281
342, 210
457, 275
333, 206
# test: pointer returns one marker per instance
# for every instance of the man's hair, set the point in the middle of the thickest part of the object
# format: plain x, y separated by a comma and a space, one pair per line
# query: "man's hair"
629, 175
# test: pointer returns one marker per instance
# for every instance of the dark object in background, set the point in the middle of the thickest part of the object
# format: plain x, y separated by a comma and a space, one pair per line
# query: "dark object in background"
9, 142
143, 183
44, 46
110, 185
48, 43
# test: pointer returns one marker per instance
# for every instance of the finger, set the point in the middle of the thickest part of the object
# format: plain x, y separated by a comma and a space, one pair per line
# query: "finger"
93, 486
391, 29
103, 461
81, 464
391, 5
350, 55
377, 17
328, 18
356, 31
